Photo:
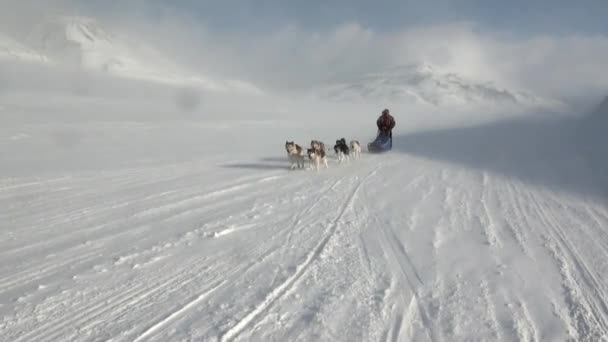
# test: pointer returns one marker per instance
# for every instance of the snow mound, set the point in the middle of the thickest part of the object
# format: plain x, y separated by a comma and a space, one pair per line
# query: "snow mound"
83, 43
11, 49
421, 83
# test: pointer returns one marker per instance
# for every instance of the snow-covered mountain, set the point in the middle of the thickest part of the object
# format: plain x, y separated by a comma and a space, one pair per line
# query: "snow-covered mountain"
83, 43
10, 49
421, 83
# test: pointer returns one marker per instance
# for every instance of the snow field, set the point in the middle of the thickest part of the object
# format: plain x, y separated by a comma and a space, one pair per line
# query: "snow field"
235, 247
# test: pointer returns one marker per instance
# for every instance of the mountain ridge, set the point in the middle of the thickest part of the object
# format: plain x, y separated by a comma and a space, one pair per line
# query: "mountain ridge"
83, 43
422, 83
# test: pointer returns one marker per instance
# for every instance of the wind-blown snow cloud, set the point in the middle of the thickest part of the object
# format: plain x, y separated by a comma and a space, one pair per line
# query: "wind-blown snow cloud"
292, 56
287, 45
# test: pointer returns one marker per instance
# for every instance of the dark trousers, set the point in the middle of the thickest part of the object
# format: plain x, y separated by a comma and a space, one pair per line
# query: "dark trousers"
389, 133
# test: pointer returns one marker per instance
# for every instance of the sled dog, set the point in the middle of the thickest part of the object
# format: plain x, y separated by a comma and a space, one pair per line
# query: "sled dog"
316, 157
355, 147
318, 145
295, 153
342, 150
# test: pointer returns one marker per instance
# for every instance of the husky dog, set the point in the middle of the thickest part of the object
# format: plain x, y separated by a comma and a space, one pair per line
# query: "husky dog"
295, 153
317, 145
317, 156
355, 147
342, 150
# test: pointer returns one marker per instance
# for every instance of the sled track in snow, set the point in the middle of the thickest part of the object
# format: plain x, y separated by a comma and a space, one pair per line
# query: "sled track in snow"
170, 317
410, 274
151, 330
588, 308
301, 269
107, 303
80, 255
161, 256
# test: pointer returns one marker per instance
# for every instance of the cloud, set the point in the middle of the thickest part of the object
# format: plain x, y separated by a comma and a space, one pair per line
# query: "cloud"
19, 16
295, 56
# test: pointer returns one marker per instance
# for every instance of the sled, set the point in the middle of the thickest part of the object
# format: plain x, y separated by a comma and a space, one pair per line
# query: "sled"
383, 143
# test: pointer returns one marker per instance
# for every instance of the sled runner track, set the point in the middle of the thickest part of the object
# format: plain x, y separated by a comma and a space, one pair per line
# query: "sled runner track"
584, 314
99, 209
301, 269
596, 304
183, 309
178, 312
116, 304
127, 186
395, 330
490, 226
75, 259
138, 227
406, 268
27, 276
521, 320
4, 188
79, 195
110, 303
297, 221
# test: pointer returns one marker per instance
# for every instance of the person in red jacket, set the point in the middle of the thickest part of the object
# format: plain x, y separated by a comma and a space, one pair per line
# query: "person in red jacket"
386, 123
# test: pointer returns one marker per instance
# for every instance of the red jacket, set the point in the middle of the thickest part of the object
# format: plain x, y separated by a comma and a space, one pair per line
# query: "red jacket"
385, 123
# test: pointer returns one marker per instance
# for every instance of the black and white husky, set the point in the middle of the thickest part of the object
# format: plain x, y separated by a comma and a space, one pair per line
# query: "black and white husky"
355, 148
317, 157
295, 153
342, 150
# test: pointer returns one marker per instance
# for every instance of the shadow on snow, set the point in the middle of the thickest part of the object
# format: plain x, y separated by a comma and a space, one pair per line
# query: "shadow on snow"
559, 154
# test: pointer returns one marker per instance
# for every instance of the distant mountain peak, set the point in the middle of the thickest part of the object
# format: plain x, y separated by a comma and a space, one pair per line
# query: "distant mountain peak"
424, 84
84, 43
11, 49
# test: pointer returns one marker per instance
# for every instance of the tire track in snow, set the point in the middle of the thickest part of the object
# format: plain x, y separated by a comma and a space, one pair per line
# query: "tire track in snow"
301, 269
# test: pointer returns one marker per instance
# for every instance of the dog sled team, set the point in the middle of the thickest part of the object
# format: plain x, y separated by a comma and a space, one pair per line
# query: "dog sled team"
317, 153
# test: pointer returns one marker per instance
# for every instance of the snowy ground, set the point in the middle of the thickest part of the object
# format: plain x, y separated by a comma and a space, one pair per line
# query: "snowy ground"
149, 231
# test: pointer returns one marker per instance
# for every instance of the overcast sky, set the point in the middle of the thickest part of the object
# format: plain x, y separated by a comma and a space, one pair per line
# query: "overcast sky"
521, 16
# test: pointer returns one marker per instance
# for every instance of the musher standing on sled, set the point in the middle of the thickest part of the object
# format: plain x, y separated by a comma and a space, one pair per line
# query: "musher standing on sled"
384, 139
386, 123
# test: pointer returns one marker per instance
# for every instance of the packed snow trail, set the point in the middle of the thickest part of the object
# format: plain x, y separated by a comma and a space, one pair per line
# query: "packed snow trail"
391, 247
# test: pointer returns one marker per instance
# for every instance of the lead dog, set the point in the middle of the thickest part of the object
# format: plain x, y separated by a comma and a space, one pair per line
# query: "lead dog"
295, 153
355, 148
316, 157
